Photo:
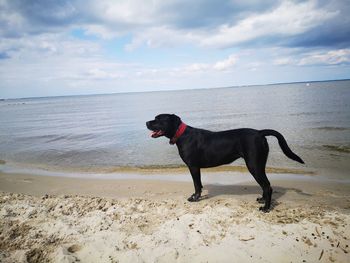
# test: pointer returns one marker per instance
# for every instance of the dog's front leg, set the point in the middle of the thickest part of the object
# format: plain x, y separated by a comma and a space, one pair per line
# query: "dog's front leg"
196, 176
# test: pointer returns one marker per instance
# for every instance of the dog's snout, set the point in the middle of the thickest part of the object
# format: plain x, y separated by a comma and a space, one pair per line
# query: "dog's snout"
149, 124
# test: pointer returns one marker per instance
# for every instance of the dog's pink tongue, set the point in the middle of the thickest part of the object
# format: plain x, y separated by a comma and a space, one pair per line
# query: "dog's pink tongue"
156, 134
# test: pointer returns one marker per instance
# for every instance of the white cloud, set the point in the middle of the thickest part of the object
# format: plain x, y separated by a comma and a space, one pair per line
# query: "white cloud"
192, 69
161, 36
36, 47
125, 12
332, 57
99, 74
226, 63
288, 19
196, 67
283, 61
315, 58
49, 51
154, 25
221, 65
100, 31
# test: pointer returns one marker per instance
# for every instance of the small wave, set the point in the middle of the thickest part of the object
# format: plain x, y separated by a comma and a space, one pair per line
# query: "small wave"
305, 114
36, 137
152, 169
71, 137
330, 128
2, 162
56, 137
337, 148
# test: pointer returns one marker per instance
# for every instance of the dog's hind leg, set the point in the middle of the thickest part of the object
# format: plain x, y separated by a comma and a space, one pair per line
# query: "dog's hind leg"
256, 162
267, 192
196, 176
261, 178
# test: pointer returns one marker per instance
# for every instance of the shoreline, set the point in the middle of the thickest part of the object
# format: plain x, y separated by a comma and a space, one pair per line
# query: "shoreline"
222, 175
140, 169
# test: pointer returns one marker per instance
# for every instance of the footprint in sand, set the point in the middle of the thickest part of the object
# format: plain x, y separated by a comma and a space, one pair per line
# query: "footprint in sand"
73, 248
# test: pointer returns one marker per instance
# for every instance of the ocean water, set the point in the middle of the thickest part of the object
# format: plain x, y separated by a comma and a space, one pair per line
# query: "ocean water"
99, 133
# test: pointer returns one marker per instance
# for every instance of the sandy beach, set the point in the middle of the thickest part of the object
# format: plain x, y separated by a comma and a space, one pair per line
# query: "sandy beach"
55, 219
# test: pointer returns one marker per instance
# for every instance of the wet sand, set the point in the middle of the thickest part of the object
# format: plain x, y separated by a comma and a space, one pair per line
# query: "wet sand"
60, 219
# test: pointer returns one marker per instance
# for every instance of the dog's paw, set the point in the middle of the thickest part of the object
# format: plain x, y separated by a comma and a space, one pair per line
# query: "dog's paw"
260, 200
193, 198
264, 209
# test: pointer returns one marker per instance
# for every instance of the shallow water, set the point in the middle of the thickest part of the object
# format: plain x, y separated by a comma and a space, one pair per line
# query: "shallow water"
102, 132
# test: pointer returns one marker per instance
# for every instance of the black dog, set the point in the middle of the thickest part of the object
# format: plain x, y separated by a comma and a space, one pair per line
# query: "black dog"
200, 148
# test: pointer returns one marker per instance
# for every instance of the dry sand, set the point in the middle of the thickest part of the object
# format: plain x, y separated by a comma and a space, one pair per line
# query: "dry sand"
50, 219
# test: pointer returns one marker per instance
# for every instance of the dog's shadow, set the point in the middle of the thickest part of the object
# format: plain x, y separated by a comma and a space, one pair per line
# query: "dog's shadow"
278, 191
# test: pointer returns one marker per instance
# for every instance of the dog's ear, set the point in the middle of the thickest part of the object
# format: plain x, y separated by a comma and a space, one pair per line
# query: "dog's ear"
175, 118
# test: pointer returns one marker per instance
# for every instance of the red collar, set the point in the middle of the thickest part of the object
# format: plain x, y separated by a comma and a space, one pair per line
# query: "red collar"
178, 133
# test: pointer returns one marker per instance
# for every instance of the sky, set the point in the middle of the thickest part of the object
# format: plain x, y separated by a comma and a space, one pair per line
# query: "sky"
54, 48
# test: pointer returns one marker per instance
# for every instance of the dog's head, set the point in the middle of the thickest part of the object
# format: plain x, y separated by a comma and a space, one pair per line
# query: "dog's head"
164, 125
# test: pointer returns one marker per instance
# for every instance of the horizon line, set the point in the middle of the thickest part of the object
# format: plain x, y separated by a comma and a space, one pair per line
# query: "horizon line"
149, 91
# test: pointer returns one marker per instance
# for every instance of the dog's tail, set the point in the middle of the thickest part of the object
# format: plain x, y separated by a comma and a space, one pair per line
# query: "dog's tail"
283, 144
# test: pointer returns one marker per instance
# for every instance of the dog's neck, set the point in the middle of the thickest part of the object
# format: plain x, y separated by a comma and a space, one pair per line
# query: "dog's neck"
180, 130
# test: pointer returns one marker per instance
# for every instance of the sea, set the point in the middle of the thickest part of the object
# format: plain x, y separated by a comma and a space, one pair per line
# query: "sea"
102, 133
